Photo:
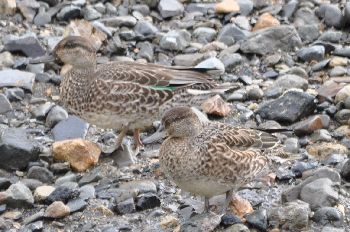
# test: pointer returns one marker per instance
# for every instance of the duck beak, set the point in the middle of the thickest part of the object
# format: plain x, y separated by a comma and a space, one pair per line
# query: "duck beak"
42, 59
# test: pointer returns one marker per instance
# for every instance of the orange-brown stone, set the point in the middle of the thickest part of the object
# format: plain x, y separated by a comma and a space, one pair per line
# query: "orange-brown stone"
266, 20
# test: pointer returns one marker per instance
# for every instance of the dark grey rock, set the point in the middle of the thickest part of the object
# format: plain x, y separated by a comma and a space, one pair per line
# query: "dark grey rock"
32, 184
72, 127
312, 53
92, 176
19, 196
16, 150
229, 219
308, 33
69, 12
28, 44
62, 193
270, 40
16, 78
331, 14
175, 40
320, 193
147, 201
125, 207
254, 92
170, 8
288, 108
284, 174
56, 115
76, 205
305, 16
230, 61
5, 105
60, 168
119, 21
291, 81
246, 7
328, 216
345, 172
258, 219
347, 14
293, 215
14, 94
145, 30
40, 173
4, 183
204, 34
87, 192
90, 13
230, 33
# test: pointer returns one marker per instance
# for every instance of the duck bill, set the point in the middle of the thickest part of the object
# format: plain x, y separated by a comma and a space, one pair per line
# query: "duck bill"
42, 59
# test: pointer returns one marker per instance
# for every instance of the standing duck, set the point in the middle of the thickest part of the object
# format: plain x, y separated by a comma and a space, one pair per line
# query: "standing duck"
124, 95
211, 158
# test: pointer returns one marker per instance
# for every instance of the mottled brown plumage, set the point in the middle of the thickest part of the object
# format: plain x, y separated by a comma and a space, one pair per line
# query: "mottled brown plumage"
212, 158
125, 95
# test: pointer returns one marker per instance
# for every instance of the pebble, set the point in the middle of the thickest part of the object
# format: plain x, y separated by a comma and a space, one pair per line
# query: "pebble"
147, 201
141, 186
237, 228
57, 210
42, 192
258, 219
170, 8
81, 154
76, 205
291, 145
175, 40
204, 34
14, 94
87, 192
41, 111
62, 193
311, 124
6, 60
345, 171
16, 78
69, 177
16, 149
19, 196
266, 20
229, 219
8, 7
145, 30
331, 14
5, 105
342, 94
291, 81
227, 6
120, 21
93, 175
126, 207
230, 33
69, 12
28, 44
316, 52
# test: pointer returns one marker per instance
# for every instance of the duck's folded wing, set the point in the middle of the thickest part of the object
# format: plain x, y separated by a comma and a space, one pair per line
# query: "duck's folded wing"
241, 138
151, 74
232, 165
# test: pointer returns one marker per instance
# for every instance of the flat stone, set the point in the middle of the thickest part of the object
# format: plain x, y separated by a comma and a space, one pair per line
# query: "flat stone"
16, 78
316, 52
28, 8
141, 186
267, 41
175, 40
87, 192
338, 61
93, 175
246, 6
19, 196
5, 105
81, 154
288, 108
289, 8
90, 13
119, 21
170, 8
196, 223
69, 177
28, 44
212, 63
331, 36
71, 128
16, 150
188, 59
40, 173
319, 193
57, 210
293, 216
76, 205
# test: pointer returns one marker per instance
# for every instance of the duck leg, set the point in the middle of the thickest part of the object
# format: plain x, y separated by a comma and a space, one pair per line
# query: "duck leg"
121, 136
138, 142
206, 204
227, 200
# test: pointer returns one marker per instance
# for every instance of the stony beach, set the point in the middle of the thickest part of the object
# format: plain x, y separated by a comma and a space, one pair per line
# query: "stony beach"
290, 59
